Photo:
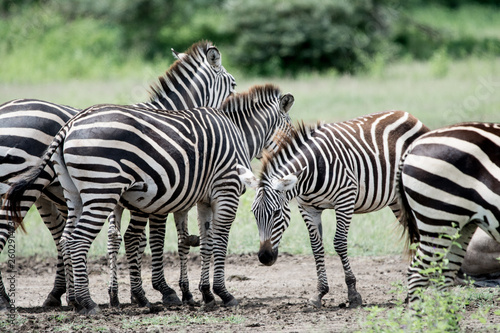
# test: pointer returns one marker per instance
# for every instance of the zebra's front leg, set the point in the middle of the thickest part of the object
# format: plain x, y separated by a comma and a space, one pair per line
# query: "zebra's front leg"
340, 245
183, 247
133, 237
223, 219
206, 243
114, 241
156, 243
312, 218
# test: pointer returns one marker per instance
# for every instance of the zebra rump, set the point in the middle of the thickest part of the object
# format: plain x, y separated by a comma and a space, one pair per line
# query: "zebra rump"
451, 181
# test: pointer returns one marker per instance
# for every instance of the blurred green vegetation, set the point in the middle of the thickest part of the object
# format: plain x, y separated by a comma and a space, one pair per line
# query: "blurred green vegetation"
52, 40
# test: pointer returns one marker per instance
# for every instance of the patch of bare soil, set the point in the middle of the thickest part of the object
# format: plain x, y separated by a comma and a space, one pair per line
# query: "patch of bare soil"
272, 299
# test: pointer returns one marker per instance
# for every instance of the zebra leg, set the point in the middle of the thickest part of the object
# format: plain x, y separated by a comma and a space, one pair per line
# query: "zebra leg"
114, 241
183, 247
134, 234
340, 245
206, 244
55, 222
223, 219
6, 230
156, 243
431, 252
312, 218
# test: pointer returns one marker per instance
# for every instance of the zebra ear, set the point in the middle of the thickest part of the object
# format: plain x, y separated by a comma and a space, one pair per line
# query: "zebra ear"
213, 56
177, 55
286, 102
247, 177
286, 183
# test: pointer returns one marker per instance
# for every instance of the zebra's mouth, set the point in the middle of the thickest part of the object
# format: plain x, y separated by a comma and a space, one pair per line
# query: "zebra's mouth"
267, 255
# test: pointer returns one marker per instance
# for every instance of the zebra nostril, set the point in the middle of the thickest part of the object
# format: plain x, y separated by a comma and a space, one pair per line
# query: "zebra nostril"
266, 254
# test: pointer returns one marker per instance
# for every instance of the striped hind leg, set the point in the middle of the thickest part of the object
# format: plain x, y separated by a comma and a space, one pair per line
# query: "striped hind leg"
114, 241
205, 224
340, 244
157, 242
312, 218
133, 238
95, 211
183, 247
6, 231
437, 243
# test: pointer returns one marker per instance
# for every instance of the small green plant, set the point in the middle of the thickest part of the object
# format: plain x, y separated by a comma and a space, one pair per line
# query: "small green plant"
437, 309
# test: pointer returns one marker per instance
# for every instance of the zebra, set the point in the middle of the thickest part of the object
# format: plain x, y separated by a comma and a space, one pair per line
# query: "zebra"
262, 116
197, 78
185, 158
348, 166
450, 179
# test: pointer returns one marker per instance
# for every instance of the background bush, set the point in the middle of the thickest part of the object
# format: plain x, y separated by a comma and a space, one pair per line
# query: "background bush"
60, 39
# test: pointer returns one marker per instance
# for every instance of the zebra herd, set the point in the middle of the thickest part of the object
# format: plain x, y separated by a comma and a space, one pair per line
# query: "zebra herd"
191, 145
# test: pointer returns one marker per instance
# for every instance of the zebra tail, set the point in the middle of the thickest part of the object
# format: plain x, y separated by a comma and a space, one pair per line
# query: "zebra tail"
16, 193
406, 217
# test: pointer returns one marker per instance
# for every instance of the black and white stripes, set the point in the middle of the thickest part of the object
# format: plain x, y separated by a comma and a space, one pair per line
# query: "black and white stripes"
348, 166
451, 181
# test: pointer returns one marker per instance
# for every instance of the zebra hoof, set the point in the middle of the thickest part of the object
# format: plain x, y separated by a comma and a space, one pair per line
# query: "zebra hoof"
187, 299
51, 301
89, 311
316, 302
210, 306
355, 301
114, 302
4, 305
140, 299
171, 299
231, 303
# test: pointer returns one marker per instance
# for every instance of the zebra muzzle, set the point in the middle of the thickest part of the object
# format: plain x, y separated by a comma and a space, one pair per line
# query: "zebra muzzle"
267, 255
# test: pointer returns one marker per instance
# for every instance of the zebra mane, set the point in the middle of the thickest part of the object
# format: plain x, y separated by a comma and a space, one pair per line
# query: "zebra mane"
256, 94
195, 54
290, 145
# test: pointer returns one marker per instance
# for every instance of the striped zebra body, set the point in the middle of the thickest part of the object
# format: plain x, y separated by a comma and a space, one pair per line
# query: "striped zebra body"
261, 115
349, 166
451, 182
185, 158
196, 79
27, 127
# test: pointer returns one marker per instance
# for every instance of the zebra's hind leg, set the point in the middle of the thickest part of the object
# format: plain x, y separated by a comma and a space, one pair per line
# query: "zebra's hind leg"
436, 245
133, 237
114, 241
183, 247
55, 222
6, 230
340, 245
206, 243
156, 243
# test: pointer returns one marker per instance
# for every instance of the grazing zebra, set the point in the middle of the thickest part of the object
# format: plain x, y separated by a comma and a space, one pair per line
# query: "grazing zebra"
261, 115
28, 127
348, 166
151, 163
451, 182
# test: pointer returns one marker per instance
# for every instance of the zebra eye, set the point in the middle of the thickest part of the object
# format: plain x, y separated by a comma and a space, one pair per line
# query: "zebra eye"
276, 214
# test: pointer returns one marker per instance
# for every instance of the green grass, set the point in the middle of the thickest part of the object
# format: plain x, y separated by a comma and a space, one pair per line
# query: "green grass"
468, 91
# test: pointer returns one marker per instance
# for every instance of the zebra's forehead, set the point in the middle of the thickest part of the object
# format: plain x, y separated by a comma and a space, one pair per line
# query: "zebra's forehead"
266, 199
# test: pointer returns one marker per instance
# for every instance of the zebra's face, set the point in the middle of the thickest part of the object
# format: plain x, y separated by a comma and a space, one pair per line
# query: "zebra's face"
271, 209
283, 126
272, 214
222, 84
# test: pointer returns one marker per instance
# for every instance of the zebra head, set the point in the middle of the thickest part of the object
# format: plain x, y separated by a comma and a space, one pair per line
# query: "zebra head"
271, 210
196, 79
283, 126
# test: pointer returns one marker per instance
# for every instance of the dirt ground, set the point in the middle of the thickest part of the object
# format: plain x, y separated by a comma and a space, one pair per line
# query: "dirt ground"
272, 299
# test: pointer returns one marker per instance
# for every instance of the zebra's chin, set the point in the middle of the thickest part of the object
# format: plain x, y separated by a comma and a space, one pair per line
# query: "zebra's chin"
267, 255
